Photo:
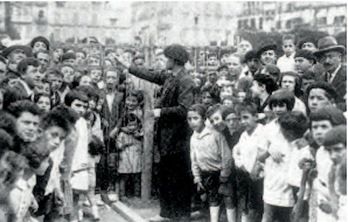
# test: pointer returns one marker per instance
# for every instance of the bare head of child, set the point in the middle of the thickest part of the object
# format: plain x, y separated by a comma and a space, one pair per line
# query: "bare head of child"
288, 44
43, 101
196, 117
281, 101
77, 100
247, 113
335, 141
133, 100
216, 118
132, 123
293, 125
323, 120
96, 148
55, 125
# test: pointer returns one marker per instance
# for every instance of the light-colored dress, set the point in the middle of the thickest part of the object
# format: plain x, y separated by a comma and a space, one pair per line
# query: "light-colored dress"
79, 178
130, 157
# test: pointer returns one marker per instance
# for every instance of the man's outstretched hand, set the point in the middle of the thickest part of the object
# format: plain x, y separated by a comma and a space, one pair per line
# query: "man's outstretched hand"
122, 61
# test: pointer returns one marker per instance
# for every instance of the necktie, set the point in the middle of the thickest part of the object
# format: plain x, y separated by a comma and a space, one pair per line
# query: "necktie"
328, 77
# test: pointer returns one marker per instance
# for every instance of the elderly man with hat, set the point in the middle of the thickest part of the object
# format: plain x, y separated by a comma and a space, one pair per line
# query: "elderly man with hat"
16, 53
330, 54
173, 132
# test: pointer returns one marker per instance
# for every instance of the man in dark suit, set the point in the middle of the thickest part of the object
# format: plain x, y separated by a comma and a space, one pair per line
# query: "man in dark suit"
27, 68
112, 109
329, 55
173, 132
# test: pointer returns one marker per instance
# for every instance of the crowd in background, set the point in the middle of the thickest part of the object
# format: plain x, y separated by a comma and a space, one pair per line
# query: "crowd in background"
267, 133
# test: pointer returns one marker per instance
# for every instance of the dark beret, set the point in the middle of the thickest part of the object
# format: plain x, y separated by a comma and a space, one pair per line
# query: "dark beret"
40, 39
265, 46
250, 55
307, 39
305, 54
177, 52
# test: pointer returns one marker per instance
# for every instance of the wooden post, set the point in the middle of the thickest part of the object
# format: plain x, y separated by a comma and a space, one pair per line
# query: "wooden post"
148, 145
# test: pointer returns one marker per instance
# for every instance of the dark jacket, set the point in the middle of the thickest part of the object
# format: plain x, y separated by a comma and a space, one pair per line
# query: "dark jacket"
113, 116
173, 134
339, 82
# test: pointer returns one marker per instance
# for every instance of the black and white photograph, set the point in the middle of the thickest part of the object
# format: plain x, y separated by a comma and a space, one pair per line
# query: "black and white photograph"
173, 111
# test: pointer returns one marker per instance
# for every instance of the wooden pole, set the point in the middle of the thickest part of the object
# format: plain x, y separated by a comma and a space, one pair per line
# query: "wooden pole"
148, 145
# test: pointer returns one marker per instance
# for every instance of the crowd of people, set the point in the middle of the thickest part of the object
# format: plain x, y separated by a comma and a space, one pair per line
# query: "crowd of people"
264, 136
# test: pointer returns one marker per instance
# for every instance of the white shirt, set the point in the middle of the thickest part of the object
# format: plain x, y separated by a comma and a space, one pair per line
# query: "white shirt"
209, 151
287, 63
21, 197
246, 150
321, 183
54, 180
277, 191
110, 99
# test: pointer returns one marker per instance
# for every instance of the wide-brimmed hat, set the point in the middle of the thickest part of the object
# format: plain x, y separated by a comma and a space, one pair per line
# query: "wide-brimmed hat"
328, 43
10, 49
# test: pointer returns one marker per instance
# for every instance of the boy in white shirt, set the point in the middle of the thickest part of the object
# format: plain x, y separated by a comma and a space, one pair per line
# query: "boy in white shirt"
245, 157
78, 101
287, 61
323, 120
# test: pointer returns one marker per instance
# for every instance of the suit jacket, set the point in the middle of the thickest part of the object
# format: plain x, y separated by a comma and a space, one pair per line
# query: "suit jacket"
22, 88
173, 132
112, 117
339, 82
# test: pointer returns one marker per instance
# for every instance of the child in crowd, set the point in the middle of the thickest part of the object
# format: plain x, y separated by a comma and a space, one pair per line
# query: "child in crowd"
226, 90
293, 126
209, 96
68, 72
55, 78
43, 101
245, 152
322, 120
21, 197
335, 142
287, 61
48, 190
95, 150
229, 101
78, 101
129, 144
211, 160
96, 74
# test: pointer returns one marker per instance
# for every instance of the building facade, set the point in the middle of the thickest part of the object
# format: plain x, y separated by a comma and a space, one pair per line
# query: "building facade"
68, 20
281, 16
187, 23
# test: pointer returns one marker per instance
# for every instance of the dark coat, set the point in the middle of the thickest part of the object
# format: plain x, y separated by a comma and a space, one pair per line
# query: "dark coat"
21, 89
113, 116
339, 82
173, 134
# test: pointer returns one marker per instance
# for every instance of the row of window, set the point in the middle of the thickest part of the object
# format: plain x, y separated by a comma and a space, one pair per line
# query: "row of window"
291, 23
